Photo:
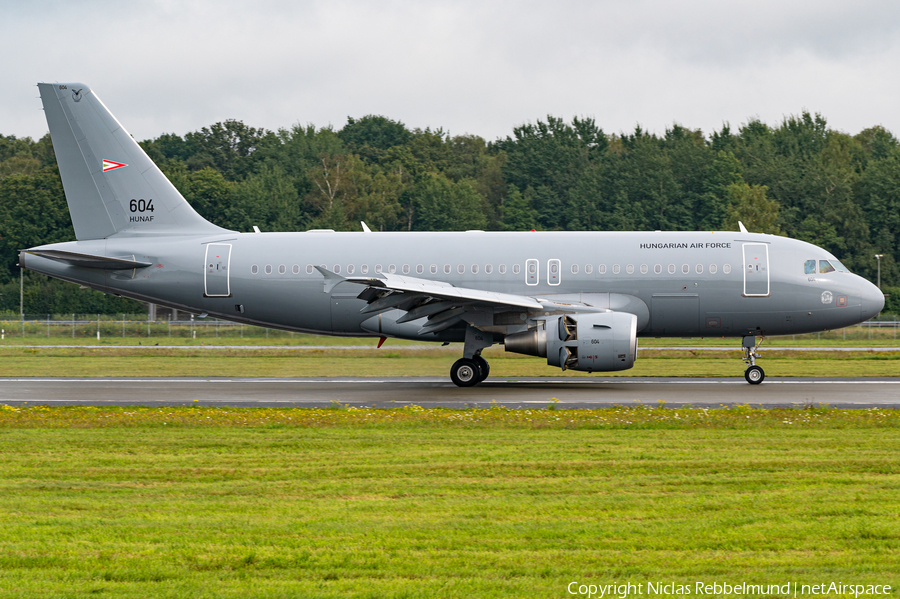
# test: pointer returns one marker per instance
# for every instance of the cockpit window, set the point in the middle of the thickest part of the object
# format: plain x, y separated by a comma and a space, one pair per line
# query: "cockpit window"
825, 267
809, 267
838, 266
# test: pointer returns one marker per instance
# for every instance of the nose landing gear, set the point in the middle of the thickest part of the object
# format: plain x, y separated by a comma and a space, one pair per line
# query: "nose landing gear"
754, 374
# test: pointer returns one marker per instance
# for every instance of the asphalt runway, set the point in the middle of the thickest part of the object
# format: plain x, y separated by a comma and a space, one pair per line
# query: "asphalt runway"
435, 391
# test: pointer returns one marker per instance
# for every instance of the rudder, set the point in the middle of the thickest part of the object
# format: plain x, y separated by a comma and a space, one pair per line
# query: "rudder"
111, 184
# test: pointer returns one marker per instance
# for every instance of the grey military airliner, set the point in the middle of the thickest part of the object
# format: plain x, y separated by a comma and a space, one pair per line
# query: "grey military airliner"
579, 299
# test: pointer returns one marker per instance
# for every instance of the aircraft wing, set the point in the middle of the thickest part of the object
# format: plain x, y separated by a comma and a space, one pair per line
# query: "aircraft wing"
444, 304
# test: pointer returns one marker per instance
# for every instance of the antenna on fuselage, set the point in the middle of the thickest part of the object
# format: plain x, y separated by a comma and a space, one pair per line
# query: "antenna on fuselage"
366, 228
743, 228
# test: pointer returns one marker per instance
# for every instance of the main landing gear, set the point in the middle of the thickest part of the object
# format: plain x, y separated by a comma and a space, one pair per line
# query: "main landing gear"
467, 372
471, 369
754, 374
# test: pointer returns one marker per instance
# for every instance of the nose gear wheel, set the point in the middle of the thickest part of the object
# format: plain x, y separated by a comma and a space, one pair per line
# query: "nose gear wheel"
754, 374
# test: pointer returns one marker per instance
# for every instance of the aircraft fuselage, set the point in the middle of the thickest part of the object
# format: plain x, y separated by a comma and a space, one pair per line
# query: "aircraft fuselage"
682, 284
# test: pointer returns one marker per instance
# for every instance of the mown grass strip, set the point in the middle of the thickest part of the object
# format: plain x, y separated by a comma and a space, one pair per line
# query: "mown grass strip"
118, 361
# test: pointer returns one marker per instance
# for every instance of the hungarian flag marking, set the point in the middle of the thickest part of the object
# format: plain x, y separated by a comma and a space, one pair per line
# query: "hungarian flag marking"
111, 165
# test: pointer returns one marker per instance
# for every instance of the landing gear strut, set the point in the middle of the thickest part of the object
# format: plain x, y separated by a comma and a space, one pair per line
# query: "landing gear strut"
754, 374
471, 369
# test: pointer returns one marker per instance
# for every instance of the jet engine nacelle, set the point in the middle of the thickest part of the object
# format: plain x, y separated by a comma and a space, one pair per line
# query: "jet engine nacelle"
598, 342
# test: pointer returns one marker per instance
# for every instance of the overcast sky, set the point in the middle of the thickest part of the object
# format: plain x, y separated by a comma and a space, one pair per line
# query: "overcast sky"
481, 67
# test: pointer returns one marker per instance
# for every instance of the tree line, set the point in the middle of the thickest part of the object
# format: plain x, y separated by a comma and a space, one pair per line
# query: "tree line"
799, 178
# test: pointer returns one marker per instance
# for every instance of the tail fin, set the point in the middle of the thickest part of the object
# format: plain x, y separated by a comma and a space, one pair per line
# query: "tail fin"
111, 184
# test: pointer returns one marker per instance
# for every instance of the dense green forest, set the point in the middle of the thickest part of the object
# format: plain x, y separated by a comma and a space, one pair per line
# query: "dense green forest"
799, 178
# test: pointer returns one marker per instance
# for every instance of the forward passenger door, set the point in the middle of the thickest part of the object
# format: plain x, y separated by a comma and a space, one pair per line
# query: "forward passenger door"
756, 270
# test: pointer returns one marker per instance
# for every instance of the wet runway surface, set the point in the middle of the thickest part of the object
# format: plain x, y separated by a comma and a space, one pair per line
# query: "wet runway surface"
435, 391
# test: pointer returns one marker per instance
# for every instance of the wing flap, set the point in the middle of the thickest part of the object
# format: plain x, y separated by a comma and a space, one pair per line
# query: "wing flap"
440, 290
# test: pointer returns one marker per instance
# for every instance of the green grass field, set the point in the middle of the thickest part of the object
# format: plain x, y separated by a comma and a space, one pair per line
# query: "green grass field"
404, 361
203, 502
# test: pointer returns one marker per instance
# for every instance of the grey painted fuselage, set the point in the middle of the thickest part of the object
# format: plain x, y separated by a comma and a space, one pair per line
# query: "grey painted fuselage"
267, 275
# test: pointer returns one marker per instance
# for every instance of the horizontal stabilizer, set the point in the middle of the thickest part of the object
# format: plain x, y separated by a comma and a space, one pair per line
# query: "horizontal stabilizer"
88, 261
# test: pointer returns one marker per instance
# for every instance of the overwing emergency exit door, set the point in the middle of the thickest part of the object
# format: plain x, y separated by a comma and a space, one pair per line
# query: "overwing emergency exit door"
553, 267
531, 272
216, 280
756, 270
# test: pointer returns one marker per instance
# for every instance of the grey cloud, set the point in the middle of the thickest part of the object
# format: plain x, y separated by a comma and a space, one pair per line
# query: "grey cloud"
473, 67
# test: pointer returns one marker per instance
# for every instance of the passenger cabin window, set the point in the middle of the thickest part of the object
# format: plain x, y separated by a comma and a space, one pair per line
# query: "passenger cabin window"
488, 269
474, 269
309, 269
726, 269
377, 268
268, 269
502, 269
825, 267
588, 268
282, 269
615, 269
350, 269
643, 269
461, 269
255, 269
392, 268
809, 267
671, 269
658, 269
364, 269
419, 269
433, 269
406, 269
712, 269
446, 269
699, 269
602, 269
685, 268
295, 269
629, 269
516, 269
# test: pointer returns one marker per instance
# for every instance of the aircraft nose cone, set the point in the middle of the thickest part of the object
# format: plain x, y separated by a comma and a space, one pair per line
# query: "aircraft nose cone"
871, 300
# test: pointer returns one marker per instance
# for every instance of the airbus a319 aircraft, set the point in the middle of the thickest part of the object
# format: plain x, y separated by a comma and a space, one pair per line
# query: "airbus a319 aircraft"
579, 299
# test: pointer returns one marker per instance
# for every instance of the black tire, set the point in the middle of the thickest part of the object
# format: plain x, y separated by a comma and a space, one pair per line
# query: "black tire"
465, 373
754, 375
483, 366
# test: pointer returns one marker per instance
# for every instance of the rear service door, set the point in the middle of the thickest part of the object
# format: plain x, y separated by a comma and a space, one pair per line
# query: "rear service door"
756, 270
216, 280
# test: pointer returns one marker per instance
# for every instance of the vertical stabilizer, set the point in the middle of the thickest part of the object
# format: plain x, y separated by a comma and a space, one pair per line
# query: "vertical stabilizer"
111, 184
